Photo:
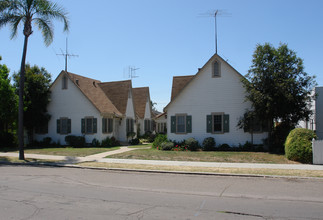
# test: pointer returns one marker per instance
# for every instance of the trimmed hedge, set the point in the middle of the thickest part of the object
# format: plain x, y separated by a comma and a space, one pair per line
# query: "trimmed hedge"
298, 145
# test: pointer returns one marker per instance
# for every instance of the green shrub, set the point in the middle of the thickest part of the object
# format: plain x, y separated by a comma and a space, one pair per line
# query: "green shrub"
75, 141
298, 145
46, 142
224, 147
114, 142
160, 138
167, 145
151, 137
192, 144
134, 141
208, 144
95, 143
106, 142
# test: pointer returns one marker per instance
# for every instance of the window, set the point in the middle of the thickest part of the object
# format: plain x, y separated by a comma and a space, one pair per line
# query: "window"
129, 125
147, 126
181, 124
161, 128
63, 126
64, 82
89, 125
107, 125
216, 69
217, 123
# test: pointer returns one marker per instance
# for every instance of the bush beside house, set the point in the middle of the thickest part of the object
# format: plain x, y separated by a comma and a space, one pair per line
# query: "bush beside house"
298, 145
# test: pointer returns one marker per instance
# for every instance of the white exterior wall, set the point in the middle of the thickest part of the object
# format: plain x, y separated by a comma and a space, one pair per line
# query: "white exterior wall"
141, 121
205, 95
130, 113
71, 103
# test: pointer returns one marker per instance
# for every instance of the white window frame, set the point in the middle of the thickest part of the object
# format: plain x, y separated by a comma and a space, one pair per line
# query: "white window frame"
213, 69
181, 115
222, 118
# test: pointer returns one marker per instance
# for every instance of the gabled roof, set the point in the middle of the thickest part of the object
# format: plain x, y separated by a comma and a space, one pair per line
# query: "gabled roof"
89, 87
118, 93
140, 97
179, 82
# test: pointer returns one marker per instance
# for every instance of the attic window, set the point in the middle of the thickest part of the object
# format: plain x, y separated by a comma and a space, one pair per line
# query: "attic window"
94, 84
77, 81
216, 69
64, 82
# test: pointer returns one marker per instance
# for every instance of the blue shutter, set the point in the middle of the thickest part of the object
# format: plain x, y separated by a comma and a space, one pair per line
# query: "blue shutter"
226, 123
58, 126
95, 125
83, 125
209, 123
69, 126
188, 124
173, 124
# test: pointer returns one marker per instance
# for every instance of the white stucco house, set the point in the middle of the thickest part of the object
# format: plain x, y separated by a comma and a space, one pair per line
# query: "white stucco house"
161, 123
86, 107
143, 108
210, 104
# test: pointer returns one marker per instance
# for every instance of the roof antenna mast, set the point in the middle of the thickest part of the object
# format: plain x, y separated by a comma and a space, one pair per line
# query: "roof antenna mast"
215, 14
66, 55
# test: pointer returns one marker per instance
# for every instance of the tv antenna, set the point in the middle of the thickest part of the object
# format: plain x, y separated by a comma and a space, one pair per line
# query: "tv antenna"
132, 72
66, 55
214, 14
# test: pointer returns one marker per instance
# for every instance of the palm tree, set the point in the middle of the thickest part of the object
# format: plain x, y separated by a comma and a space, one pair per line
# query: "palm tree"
29, 12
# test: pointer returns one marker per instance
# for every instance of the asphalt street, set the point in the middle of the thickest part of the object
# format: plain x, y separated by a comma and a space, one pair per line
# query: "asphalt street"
28, 192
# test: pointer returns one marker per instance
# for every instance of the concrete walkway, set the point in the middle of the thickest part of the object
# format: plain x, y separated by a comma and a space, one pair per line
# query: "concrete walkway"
101, 158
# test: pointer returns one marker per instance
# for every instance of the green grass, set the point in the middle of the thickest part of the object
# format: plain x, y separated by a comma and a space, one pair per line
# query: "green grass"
69, 151
213, 156
29, 160
252, 171
140, 146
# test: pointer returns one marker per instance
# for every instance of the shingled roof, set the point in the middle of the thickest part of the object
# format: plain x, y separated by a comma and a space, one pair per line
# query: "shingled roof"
140, 96
118, 93
179, 82
89, 87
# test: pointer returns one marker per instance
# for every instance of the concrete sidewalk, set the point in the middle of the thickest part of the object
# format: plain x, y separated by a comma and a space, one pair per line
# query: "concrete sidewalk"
100, 158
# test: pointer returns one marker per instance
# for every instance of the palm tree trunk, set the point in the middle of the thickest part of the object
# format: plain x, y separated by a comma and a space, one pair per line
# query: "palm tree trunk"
21, 102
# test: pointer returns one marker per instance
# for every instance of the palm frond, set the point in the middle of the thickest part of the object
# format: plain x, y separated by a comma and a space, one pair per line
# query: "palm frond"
14, 25
46, 27
48, 10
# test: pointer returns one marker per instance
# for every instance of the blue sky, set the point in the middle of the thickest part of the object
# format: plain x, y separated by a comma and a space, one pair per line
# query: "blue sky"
166, 38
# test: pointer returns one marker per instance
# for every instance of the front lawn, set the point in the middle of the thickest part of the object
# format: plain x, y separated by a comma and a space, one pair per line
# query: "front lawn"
70, 151
212, 156
141, 146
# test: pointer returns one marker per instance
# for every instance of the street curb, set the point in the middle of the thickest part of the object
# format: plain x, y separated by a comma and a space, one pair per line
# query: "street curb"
39, 164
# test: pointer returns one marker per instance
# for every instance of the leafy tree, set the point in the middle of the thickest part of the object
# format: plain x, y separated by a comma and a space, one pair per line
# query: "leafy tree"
36, 97
29, 12
278, 87
8, 100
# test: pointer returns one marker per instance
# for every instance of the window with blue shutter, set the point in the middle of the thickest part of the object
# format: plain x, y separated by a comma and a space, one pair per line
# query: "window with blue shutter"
89, 125
217, 123
63, 126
